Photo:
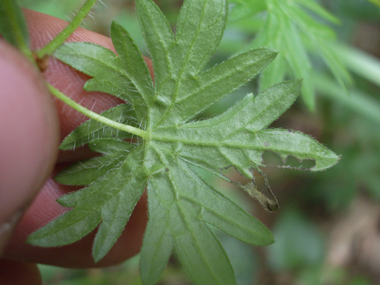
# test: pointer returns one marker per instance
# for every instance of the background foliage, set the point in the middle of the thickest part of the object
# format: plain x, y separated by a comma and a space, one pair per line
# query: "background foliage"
327, 229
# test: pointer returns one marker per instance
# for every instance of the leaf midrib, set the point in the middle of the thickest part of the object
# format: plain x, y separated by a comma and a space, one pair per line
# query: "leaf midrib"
184, 65
213, 82
114, 68
220, 216
178, 204
233, 145
90, 211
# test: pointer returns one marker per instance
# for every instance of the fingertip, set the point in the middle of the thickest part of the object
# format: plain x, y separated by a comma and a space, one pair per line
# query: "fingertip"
29, 131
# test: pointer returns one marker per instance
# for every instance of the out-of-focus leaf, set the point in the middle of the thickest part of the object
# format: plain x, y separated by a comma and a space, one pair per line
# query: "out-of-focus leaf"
359, 62
13, 25
375, 2
356, 100
290, 30
56, 8
246, 8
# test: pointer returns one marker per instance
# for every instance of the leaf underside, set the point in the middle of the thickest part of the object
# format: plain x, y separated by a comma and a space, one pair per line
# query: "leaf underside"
181, 205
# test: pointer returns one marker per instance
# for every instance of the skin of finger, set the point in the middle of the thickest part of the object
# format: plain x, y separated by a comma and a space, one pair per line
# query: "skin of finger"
29, 136
17, 273
43, 28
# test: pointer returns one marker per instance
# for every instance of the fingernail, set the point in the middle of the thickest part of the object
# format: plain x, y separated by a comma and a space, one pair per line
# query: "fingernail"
7, 227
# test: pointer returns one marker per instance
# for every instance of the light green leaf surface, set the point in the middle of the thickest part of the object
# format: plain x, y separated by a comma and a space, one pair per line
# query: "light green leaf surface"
13, 26
200, 28
108, 74
132, 62
159, 39
158, 240
181, 205
87, 171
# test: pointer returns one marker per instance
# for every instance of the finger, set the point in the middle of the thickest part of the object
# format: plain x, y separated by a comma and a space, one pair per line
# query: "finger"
29, 136
16, 273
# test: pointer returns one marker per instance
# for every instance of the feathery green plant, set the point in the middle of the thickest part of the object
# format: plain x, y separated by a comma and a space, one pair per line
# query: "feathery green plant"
375, 2
294, 32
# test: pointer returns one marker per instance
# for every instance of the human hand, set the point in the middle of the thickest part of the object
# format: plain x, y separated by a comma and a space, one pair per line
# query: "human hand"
31, 126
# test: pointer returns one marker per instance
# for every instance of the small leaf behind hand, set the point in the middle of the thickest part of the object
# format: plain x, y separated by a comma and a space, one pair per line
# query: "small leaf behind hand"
13, 25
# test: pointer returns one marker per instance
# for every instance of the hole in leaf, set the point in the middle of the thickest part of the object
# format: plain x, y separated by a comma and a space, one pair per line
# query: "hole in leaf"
272, 159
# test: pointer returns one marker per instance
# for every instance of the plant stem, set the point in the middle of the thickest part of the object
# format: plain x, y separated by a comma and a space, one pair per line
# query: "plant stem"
71, 27
95, 116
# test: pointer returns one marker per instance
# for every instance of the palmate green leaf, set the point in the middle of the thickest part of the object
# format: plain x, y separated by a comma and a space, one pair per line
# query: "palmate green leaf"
181, 205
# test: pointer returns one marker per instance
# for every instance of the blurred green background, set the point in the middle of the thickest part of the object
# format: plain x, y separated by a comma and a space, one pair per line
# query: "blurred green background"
327, 230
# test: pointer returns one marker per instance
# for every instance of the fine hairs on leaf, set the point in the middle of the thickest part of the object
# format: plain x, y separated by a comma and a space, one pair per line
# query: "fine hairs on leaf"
181, 205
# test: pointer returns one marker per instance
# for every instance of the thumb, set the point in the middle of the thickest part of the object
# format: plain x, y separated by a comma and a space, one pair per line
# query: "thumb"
28, 137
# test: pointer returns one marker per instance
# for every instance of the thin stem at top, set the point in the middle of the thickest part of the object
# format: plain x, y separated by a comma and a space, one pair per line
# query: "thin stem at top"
71, 27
